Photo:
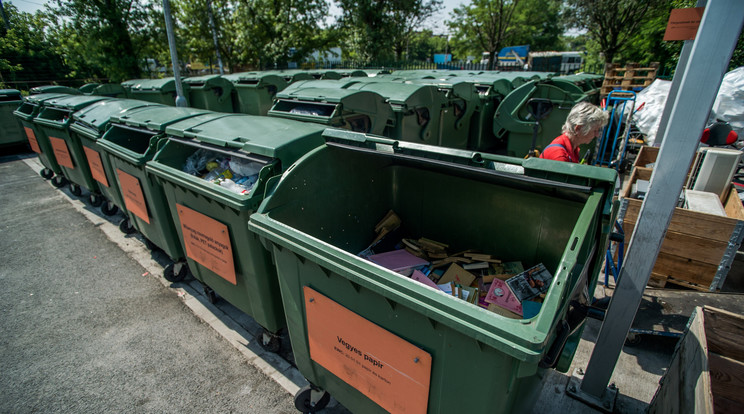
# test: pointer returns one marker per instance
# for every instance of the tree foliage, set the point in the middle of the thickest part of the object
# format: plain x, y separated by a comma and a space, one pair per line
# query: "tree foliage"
484, 25
379, 30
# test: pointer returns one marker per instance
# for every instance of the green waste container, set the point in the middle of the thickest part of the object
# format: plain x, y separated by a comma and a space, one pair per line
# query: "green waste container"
212, 221
128, 84
130, 142
292, 75
515, 117
355, 110
161, 91
111, 90
418, 111
11, 131
54, 122
88, 88
379, 341
212, 92
587, 83
54, 89
88, 125
38, 142
254, 92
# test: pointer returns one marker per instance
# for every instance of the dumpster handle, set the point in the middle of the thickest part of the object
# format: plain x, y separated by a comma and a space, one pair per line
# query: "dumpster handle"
478, 170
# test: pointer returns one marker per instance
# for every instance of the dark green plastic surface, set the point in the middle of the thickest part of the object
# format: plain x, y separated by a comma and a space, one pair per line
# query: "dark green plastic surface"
211, 92
11, 131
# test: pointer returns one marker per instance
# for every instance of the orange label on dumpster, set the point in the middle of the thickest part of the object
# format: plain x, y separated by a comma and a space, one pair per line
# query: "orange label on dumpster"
32, 140
134, 200
96, 165
207, 241
683, 23
61, 153
389, 370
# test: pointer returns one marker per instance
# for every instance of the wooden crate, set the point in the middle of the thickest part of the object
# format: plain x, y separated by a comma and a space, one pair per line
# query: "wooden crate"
706, 374
646, 155
630, 77
698, 248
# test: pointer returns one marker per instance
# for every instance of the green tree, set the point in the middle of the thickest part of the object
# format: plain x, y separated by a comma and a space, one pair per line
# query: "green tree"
195, 31
424, 45
99, 33
538, 23
484, 25
610, 23
27, 53
379, 30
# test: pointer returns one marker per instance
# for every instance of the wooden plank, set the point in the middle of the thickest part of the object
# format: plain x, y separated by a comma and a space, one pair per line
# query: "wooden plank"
688, 285
726, 381
693, 223
685, 387
646, 155
687, 245
733, 206
725, 332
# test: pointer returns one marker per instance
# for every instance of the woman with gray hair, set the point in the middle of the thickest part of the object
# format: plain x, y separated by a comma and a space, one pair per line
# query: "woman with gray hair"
583, 124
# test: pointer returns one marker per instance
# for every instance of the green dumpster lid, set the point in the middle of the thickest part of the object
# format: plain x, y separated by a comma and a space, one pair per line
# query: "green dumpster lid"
460, 88
109, 89
54, 88
324, 83
282, 139
74, 103
404, 93
157, 118
317, 94
131, 82
43, 97
88, 88
10, 92
292, 75
207, 80
160, 85
98, 115
257, 78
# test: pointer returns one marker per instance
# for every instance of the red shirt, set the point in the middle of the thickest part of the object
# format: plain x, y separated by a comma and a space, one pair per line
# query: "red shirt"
561, 150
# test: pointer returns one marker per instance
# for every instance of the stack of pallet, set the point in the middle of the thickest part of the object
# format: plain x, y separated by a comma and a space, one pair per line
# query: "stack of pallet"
631, 77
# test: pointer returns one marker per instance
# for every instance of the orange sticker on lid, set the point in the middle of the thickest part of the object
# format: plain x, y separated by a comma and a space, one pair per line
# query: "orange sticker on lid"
96, 165
61, 153
207, 241
32, 140
134, 200
389, 370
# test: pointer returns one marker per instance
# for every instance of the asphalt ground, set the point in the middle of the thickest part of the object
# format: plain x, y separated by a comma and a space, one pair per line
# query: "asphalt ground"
90, 325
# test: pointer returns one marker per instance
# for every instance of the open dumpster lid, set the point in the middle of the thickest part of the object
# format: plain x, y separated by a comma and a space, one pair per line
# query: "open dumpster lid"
98, 115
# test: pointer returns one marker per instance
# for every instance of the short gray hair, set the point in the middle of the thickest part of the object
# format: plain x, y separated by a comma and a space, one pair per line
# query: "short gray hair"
586, 116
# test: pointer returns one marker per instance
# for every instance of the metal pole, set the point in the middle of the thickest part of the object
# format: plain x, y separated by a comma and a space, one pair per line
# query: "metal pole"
709, 56
180, 99
214, 36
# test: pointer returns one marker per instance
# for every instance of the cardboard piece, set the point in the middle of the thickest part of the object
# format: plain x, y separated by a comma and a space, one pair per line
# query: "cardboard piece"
458, 275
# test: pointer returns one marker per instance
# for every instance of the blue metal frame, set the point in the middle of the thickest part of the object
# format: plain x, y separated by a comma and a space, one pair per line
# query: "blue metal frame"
610, 266
615, 102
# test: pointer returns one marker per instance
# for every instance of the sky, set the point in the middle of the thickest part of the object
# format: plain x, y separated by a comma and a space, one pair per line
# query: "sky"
436, 23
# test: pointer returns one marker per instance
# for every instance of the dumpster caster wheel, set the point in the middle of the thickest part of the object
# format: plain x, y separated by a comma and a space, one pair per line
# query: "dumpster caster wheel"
310, 399
270, 341
210, 294
632, 339
174, 272
59, 181
95, 200
46, 173
109, 209
76, 190
126, 227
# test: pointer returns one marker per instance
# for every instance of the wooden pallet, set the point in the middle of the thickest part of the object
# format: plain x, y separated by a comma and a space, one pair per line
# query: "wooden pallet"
630, 77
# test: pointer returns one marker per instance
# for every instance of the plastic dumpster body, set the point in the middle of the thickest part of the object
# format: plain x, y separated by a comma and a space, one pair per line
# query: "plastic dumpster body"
52, 123
88, 88
130, 142
417, 110
211, 92
54, 89
161, 91
111, 90
39, 142
128, 84
88, 125
515, 116
291, 75
254, 92
11, 131
212, 221
355, 110
380, 341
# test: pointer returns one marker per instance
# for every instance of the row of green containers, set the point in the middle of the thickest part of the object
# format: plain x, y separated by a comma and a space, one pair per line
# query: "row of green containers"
286, 252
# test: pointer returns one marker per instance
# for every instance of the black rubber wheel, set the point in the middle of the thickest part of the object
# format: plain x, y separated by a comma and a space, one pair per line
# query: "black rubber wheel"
270, 341
210, 294
59, 181
46, 173
171, 274
109, 209
303, 399
632, 339
126, 227
76, 190
95, 200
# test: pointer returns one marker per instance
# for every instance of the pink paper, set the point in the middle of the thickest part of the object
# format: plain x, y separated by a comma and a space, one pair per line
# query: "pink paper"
419, 276
500, 294
397, 260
